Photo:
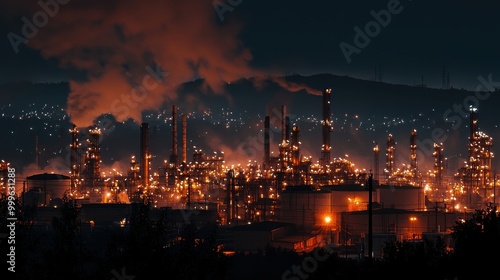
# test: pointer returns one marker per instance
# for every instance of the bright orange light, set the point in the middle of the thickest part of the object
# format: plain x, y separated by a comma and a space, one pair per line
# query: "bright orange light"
328, 219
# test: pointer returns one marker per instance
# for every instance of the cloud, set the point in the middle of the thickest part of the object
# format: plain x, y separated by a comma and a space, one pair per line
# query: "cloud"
135, 54
114, 43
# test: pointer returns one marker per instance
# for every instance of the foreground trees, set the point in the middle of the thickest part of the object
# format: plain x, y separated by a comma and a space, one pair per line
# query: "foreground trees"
477, 242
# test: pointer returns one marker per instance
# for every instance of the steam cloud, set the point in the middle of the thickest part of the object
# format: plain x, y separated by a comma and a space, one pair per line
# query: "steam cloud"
294, 87
115, 41
135, 54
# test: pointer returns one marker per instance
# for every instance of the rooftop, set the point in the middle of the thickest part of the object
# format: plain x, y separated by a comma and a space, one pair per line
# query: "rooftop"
261, 226
48, 176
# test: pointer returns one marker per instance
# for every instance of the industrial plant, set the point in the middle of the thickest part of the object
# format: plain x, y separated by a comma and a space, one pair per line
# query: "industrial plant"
309, 202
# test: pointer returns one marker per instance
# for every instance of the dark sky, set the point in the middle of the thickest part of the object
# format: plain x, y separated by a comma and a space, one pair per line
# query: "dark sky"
284, 36
422, 38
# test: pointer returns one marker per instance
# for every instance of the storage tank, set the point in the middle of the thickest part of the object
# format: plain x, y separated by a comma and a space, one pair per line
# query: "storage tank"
401, 197
52, 186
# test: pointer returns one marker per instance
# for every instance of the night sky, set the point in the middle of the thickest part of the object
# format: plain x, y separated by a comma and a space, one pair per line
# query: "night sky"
421, 38
107, 49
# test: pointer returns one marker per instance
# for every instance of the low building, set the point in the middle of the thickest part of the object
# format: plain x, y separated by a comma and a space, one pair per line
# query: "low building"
255, 237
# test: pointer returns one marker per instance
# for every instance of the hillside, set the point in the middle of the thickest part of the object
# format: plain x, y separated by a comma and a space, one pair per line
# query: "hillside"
362, 112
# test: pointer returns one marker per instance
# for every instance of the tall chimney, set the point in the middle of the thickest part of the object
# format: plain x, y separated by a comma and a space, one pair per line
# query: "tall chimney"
174, 158
376, 151
284, 146
473, 125
267, 147
391, 146
325, 148
73, 158
93, 158
474, 161
145, 154
287, 129
438, 163
295, 146
283, 124
413, 153
184, 138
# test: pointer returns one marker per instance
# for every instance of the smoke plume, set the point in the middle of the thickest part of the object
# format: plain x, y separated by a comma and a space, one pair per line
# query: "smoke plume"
135, 54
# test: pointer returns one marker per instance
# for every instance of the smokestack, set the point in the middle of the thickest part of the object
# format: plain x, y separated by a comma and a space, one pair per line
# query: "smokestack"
267, 147
295, 151
74, 154
184, 138
287, 129
284, 146
283, 124
413, 152
325, 149
391, 146
295, 146
145, 154
174, 158
473, 123
230, 196
93, 158
438, 163
376, 151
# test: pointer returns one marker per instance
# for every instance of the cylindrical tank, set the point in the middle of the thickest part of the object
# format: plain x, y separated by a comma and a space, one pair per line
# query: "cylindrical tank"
52, 186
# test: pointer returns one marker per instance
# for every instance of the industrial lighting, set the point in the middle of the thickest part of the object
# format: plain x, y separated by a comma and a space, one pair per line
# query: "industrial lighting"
328, 219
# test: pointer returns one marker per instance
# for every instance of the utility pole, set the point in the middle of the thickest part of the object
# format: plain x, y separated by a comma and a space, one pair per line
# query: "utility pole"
229, 193
345, 236
445, 228
436, 212
494, 189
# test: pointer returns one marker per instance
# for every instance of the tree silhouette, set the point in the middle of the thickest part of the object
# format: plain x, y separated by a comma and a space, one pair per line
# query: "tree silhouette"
476, 239
66, 256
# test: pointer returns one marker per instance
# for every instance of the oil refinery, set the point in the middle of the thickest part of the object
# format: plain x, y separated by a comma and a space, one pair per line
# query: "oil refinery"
318, 198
